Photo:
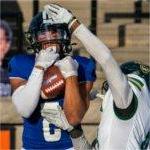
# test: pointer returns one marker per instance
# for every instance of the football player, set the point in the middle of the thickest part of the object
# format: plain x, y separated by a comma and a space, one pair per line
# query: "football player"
125, 119
51, 43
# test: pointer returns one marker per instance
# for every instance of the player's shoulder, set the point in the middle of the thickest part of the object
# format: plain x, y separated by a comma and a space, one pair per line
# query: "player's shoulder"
137, 81
84, 61
136, 77
139, 87
21, 65
87, 68
22, 58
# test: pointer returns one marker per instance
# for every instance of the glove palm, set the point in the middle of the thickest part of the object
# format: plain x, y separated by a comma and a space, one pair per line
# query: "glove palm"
58, 14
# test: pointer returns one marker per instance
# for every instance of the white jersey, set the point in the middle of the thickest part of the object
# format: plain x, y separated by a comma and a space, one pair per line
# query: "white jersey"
128, 130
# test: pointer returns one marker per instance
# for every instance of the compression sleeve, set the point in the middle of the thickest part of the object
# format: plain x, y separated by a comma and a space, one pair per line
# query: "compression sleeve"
117, 81
26, 97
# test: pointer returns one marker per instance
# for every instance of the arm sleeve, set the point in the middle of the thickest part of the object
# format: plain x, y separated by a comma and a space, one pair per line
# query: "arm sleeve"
138, 86
117, 81
26, 97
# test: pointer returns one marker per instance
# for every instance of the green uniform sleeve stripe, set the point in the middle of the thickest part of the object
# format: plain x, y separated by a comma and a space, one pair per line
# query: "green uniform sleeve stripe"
128, 113
137, 83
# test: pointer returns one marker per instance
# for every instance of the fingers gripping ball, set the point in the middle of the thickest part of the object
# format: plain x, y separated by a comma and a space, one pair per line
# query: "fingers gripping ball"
53, 83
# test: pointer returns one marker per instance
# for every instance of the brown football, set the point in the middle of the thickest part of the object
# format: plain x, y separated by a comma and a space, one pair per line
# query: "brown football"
53, 83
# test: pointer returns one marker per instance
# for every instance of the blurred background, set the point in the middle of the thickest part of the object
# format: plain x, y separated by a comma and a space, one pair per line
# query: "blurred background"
122, 25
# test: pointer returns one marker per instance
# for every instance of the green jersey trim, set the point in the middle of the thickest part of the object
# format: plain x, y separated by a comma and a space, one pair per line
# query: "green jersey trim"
137, 83
128, 113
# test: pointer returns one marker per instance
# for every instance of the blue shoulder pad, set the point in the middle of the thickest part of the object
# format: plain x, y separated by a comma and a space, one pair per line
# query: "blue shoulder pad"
87, 69
21, 66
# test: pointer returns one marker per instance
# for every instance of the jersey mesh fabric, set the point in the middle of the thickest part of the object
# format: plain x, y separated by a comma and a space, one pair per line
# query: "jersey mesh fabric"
116, 133
37, 132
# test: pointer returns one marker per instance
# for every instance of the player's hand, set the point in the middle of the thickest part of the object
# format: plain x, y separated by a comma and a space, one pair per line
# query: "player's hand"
68, 67
55, 115
46, 58
59, 14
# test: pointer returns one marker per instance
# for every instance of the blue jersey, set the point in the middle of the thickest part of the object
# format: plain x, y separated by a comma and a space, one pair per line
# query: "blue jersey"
38, 133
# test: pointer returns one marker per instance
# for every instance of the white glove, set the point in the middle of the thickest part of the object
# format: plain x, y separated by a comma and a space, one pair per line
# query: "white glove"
81, 143
46, 17
59, 14
46, 58
55, 115
68, 67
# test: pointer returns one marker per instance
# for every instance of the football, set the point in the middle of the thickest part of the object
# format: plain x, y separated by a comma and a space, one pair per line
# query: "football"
53, 83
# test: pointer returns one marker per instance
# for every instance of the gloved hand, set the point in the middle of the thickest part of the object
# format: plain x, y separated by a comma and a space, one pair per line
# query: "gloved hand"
68, 67
55, 115
59, 14
46, 58
46, 17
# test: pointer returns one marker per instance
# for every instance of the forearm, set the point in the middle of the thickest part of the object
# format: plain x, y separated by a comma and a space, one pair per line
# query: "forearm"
74, 106
26, 97
118, 84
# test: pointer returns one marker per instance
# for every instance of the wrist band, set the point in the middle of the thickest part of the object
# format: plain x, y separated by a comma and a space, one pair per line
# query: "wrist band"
73, 25
76, 132
70, 22
40, 68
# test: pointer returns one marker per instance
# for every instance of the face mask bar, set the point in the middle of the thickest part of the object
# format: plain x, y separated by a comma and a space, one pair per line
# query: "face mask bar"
56, 33
52, 35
